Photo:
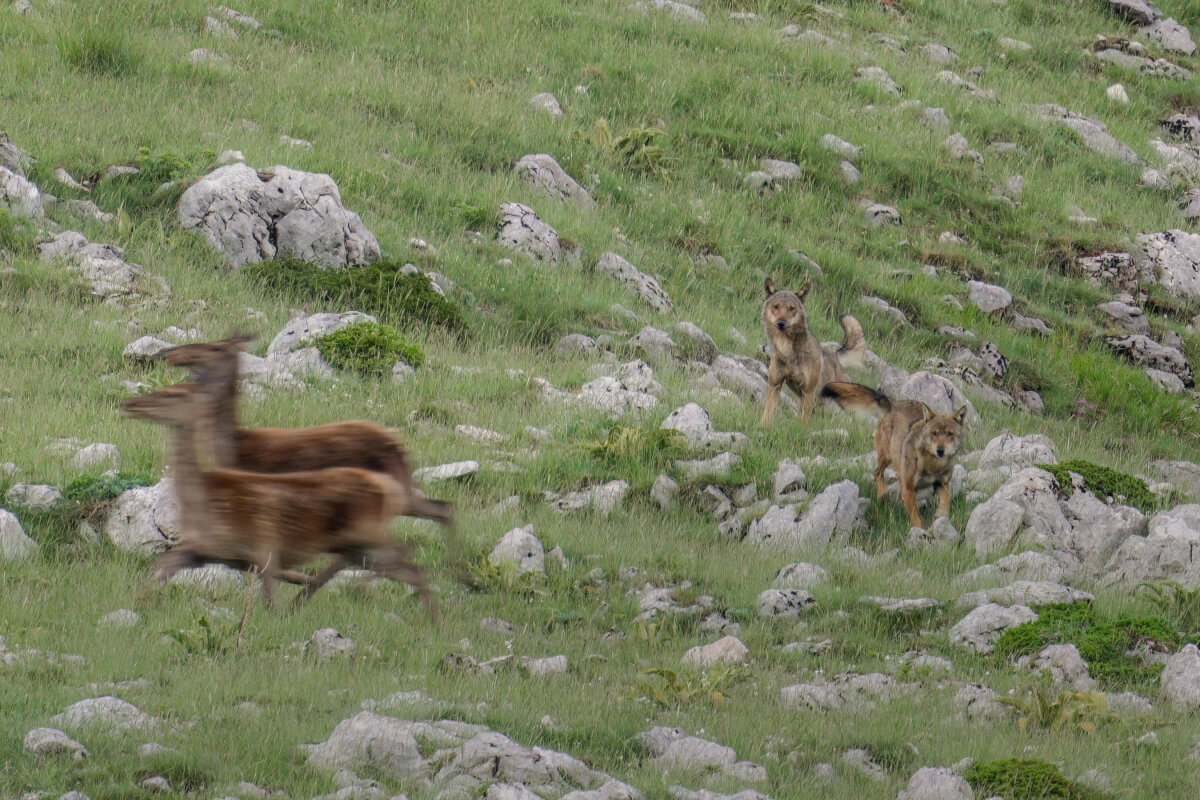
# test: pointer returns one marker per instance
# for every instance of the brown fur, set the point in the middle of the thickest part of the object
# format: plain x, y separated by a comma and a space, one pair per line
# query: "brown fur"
275, 522
797, 357
854, 398
355, 443
910, 437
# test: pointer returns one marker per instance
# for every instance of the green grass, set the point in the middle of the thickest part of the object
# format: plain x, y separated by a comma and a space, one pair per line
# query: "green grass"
1104, 482
368, 348
405, 300
1027, 779
1105, 645
418, 113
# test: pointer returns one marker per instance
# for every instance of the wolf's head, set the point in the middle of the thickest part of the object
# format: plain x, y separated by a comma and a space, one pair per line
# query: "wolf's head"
942, 434
784, 310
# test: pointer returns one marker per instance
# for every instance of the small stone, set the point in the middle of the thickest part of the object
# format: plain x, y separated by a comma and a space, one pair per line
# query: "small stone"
1117, 94
727, 650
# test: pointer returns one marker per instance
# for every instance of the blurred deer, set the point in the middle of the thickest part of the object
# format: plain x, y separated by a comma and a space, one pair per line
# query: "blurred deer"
275, 522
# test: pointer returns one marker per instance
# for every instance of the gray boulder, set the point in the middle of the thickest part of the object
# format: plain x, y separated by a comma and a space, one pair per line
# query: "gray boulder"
1027, 593
1173, 259
36, 496
106, 712
988, 298
784, 602
1170, 550
830, 517
1081, 532
697, 428
370, 740
103, 266
1181, 678
654, 345
544, 174
936, 783
635, 280
1138, 12
14, 544
250, 216
18, 196
521, 229
547, 102
801, 575
1093, 132
695, 343
1171, 36
299, 332
1126, 316
937, 392
677, 11
845, 692
523, 549
145, 520
53, 742
726, 650
1064, 664
1147, 352
980, 629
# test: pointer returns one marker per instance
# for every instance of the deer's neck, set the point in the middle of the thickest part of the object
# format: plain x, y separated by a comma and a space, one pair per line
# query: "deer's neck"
222, 423
189, 483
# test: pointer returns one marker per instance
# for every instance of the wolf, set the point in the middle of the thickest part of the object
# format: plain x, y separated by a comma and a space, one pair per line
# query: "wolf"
922, 444
797, 357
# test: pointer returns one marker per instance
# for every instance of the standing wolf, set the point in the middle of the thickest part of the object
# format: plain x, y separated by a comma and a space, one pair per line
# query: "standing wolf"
797, 357
922, 445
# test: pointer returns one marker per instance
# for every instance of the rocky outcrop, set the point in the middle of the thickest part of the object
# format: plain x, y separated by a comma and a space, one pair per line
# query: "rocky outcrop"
251, 215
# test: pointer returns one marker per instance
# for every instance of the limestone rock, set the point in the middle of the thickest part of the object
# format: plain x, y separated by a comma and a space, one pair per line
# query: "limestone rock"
1093, 132
1181, 678
145, 520
53, 742
726, 650
252, 216
520, 547
635, 280
697, 428
14, 544
546, 176
370, 740
980, 629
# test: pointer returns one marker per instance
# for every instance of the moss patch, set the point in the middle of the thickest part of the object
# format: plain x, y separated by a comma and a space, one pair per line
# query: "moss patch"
380, 289
1101, 644
1103, 482
1026, 779
368, 348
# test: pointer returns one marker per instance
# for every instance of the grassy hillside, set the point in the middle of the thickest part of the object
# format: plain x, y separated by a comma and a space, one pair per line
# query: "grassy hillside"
418, 111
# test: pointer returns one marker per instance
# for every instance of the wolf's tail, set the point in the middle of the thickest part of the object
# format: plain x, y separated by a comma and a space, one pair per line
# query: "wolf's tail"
854, 343
854, 398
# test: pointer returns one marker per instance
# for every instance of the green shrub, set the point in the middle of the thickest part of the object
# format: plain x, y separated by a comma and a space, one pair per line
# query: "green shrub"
1026, 779
368, 348
98, 50
1102, 645
98, 488
380, 289
1103, 482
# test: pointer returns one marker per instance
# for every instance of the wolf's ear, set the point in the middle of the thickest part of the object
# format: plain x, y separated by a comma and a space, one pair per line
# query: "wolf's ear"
803, 291
769, 286
926, 413
960, 415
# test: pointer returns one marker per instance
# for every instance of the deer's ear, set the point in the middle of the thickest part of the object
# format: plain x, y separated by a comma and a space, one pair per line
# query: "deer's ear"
769, 286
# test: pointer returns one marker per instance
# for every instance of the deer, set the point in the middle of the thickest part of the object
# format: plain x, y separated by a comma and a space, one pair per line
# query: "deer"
274, 522
353, 443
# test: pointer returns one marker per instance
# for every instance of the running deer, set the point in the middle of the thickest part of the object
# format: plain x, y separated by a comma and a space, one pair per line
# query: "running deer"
354, 443
273, 523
